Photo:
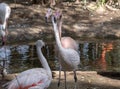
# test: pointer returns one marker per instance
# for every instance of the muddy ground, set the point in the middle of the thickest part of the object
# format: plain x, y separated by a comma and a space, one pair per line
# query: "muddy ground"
86, 80
27, 23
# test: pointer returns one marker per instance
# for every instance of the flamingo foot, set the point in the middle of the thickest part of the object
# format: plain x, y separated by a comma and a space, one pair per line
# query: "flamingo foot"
75, 78
58, 84
59, 76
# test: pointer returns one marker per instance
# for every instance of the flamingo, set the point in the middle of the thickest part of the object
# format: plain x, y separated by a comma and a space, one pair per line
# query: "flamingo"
36, 78
70, 57
67, 42
5, 11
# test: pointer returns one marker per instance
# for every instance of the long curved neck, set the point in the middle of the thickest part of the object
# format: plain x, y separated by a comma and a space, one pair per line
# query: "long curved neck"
57, 36
43, 60
60, 28
4, 25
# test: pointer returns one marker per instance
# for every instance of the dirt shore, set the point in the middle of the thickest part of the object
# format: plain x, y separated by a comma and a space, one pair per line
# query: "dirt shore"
86, 80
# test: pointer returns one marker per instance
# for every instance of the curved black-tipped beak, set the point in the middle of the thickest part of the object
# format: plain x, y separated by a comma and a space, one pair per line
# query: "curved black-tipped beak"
55, 20
3, 41
46, 19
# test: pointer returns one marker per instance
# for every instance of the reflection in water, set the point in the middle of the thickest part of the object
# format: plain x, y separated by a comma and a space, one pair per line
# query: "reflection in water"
5, 53
85, 50
22, 49
94, 56
106, 47
4, 59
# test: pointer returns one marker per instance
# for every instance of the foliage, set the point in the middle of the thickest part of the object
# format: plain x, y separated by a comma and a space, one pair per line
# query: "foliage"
101, 2
113, 3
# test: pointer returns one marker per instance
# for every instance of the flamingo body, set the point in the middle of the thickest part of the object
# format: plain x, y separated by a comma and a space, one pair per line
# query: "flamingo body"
36, 78
32, 78
70, 59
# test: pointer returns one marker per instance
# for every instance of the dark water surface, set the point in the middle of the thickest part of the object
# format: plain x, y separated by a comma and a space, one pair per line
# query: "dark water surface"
94, 55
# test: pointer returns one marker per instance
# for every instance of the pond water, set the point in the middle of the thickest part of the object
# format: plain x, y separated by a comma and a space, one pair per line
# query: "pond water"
94, 55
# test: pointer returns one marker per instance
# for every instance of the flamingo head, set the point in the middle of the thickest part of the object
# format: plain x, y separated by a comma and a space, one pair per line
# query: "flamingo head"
48, 14
40, 43
58, 14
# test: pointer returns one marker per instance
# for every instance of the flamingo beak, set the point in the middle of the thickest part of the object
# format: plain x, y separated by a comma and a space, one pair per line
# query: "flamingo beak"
3, 41
55, 20
46, 19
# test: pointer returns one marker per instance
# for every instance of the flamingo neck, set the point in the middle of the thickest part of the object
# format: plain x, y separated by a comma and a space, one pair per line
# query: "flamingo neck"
57, 37
60, 29
43, 61
4, 25
2, 32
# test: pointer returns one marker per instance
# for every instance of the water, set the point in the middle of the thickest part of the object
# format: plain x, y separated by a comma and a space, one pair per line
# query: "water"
98, 56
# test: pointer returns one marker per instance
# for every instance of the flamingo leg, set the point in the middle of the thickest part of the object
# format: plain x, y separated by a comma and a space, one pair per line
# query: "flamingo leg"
65, 80
75, 78
59, 76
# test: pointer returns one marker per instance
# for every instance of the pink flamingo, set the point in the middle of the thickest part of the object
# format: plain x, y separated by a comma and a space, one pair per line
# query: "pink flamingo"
5, 11
67, 42
36, 78
70, 57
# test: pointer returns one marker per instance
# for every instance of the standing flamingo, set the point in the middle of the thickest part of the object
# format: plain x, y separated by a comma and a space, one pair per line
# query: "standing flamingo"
70, 57
5, 11
37, 78
67, 42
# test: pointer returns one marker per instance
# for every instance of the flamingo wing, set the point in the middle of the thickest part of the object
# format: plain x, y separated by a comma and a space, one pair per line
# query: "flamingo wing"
71, 57
29, 79
68, 42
